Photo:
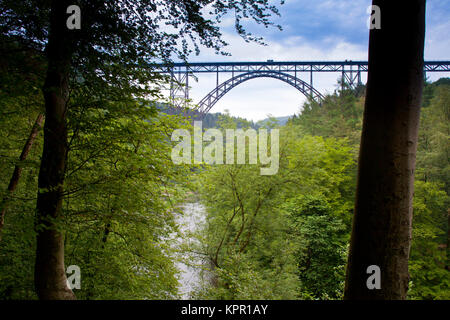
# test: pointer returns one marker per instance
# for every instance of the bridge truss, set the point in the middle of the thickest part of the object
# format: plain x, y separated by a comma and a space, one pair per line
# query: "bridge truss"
290, 72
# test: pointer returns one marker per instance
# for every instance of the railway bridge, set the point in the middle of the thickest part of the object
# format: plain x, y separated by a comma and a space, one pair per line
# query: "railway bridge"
234, 73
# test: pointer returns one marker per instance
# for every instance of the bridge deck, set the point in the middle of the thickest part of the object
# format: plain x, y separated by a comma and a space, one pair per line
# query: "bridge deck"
288, 71
289, 66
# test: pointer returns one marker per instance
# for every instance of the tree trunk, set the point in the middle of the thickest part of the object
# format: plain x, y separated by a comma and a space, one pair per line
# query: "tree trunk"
18, 169
50, 275
447, 248
381, 232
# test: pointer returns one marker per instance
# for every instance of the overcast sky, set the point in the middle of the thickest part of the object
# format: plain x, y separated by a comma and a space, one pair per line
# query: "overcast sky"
312, 30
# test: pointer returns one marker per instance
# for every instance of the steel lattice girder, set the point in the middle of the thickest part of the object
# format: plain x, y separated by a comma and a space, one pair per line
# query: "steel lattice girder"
289, 66
350, 70
209, 100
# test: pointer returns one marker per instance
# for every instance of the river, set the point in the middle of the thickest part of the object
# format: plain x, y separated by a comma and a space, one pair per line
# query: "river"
190, 264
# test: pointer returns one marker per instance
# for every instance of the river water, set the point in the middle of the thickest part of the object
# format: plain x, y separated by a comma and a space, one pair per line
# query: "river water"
190, 263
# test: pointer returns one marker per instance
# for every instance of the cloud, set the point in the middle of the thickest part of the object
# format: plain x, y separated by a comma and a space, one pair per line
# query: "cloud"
437, 43
256, 98
313, 30
287, 49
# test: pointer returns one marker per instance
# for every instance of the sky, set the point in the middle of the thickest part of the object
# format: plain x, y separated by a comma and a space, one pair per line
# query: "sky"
318, 30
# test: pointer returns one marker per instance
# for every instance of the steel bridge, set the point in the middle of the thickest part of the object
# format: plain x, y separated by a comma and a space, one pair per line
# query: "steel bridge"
290, 72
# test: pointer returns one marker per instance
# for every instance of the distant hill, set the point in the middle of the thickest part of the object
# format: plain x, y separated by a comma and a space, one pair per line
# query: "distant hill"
442, 81
281, 121
210, 119
430, 88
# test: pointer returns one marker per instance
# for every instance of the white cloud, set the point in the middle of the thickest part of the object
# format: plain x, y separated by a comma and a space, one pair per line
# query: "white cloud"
437, 44
285, 49
258, 97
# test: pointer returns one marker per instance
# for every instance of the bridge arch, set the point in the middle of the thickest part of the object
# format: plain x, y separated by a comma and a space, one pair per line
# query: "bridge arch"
212, 97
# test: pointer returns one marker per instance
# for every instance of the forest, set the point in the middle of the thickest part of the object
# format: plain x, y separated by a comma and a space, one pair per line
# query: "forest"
267, 238
87, 179
286, 236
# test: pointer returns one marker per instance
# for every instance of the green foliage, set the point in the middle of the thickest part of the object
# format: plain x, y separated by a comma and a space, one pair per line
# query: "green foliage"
127, 188
261, 230
430, 277
322, 253
20, 103
120, 41
433, 155
299, 220
283, 236
429, 262
340, 116
121, 188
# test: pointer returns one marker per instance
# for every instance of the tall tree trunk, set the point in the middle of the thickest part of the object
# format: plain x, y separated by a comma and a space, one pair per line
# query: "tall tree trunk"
447, 248
18, 169
383, 211
50, 276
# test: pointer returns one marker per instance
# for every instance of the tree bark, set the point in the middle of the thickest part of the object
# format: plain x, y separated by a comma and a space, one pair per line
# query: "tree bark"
50, 275
381, 232
447, 248
18, 169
